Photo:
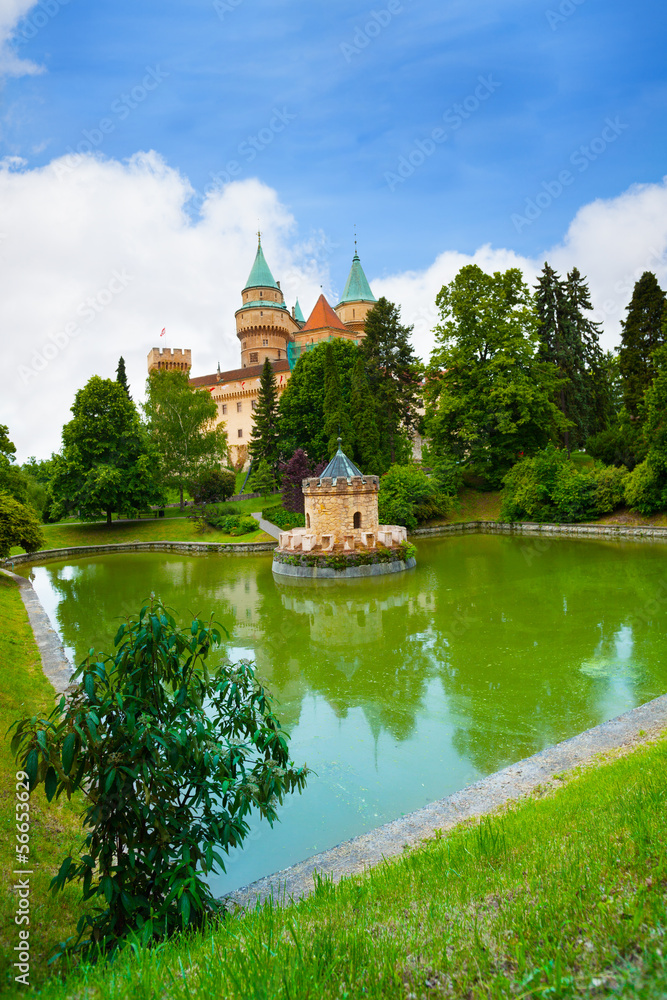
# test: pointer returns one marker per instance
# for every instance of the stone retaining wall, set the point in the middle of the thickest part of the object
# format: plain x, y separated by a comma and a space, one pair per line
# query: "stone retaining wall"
186, 548
326, 573
530, 528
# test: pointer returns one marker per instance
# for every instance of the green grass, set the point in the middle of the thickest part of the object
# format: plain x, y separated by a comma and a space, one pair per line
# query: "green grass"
181, 529
54, 827
560, 896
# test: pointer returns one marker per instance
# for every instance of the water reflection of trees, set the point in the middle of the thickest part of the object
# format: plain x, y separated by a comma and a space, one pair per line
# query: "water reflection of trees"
530, 643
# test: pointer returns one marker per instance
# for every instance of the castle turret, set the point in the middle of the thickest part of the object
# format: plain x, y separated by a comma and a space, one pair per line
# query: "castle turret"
357, 299
169, 359
264, 325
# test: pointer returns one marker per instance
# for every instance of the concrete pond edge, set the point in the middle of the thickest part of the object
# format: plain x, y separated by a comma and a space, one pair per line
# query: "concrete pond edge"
355, 856
185, 548
282, 569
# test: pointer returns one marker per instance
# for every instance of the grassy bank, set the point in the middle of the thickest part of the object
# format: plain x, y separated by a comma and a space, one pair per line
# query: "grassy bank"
560, 896
173, 529
55, 826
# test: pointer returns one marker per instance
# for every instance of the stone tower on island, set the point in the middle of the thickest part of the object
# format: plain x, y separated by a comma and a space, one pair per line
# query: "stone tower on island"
341, 513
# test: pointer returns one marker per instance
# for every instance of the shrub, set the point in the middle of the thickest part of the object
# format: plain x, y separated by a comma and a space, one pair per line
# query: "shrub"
293, 472
549, 487
225, 518
285, 519
645, 489
18, 526
213, 486
409, 496
171, 754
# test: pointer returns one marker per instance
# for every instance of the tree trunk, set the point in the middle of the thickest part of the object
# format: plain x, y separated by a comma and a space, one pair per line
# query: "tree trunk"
182, 501
108, 517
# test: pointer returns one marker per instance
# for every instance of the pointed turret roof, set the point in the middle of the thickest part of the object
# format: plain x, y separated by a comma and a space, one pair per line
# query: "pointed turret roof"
340, 467
323, 316
260, 275
357, 288
298, 314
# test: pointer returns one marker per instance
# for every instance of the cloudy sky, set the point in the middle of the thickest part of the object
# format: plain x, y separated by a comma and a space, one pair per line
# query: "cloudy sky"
144, 144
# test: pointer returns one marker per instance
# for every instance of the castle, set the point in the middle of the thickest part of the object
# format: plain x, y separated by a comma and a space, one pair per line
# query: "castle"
266, 328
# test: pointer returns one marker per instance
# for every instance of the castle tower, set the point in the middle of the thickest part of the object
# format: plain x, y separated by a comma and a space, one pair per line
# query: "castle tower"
322, 324
264, 325
169, 359
357, 299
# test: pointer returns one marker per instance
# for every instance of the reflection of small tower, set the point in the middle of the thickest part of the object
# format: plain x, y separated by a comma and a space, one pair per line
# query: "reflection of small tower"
357, 299
264, 325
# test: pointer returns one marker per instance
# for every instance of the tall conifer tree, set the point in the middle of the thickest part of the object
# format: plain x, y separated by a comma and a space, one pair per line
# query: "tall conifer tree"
394, 374
363, 418
336, 419
586, 333
265, 435
121, 376
641, 335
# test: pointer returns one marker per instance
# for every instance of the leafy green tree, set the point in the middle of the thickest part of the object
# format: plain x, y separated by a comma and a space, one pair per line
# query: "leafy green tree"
12, 479
490, 397
121, 376
180, 424
171, 752
106, 464
336, 419
213, 486
363, 418
18, 526
394, 374
302, 403
641, 334
646, 490
265, 434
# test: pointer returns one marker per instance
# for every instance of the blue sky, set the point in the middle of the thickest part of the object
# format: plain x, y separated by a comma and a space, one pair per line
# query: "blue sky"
498, 133
559, 70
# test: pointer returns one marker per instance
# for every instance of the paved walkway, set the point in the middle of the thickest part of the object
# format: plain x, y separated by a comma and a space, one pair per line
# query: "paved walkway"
266, 526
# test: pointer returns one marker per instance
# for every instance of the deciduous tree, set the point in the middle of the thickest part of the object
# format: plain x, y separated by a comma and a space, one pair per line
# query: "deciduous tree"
180, 422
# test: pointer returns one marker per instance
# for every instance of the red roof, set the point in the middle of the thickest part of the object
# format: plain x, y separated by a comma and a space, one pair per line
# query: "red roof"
236, 375
322, 317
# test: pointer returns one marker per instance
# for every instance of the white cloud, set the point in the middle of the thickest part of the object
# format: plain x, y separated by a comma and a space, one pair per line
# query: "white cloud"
611, 241
107, 251
97, 257
12, 12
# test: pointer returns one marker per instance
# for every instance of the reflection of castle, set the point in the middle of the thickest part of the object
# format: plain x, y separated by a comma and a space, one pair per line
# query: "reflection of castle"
266, 328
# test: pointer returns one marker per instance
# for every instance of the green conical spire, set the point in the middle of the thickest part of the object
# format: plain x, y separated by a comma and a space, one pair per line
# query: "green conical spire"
298, 314
260, 275
357, 288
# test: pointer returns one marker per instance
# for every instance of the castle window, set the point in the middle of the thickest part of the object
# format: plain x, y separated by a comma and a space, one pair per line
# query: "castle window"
224, 407
308, 520
239, 432
254, 358
253, 404
245, 344
353, 314
239, 407
357, 519
278, 354
265, 343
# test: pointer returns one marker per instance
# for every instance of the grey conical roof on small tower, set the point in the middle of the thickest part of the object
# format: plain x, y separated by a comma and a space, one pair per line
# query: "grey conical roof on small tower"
340, 466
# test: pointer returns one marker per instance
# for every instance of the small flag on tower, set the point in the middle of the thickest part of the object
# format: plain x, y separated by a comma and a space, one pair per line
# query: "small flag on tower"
164, 330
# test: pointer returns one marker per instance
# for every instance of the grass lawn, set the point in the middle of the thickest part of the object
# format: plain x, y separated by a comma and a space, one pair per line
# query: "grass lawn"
181, 529
562, 895
475, 505
54, 827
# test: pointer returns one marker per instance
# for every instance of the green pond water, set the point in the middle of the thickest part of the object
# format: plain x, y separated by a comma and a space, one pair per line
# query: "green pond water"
400, 690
